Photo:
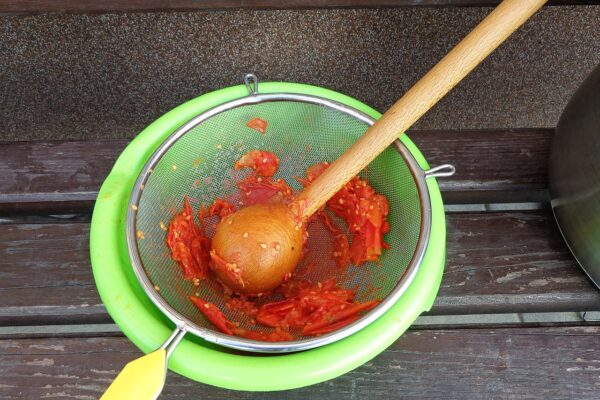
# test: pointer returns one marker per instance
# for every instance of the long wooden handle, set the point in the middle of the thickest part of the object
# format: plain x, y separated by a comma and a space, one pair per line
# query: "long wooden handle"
462, 59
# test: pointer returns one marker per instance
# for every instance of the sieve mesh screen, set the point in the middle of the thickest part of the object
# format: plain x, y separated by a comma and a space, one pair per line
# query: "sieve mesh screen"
200, 165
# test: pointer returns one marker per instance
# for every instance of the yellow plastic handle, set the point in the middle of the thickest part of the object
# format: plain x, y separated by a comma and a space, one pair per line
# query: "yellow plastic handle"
141, 379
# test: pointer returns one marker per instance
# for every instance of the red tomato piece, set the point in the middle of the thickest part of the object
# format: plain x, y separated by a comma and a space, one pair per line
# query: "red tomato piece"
214, 315
335, 326
188, 244
329, 224
264, 163
242, 304
274, 314
218, 319
364, 211
312, 308
233, 271
314, 171
258, 124
341, 251
219, 207
257, 190
341, 245
336, 315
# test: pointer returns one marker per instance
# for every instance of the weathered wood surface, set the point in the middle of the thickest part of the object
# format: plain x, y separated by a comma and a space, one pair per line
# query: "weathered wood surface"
542, 363
496, 263
54, 176
66, 6
511, 262
45, 275
492, 166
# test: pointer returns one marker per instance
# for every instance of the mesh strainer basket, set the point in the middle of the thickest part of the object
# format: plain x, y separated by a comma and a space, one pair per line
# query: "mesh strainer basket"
195, 156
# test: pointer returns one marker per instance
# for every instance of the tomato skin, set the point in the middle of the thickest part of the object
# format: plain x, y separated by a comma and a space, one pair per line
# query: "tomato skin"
364, 211
188, 244
232, 270
219, 207
242, 304
334, 326
257, 190
315, 170
341, 251
213, 314
264, 163
336, 315
314, 309
218, 319
258, 124
260, 187
273, 314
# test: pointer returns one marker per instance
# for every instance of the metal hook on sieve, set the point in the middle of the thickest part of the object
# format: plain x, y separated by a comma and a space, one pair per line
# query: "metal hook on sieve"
251, 82
441, 171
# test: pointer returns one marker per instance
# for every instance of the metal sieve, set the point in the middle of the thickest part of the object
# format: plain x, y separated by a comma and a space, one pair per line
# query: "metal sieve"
197, 160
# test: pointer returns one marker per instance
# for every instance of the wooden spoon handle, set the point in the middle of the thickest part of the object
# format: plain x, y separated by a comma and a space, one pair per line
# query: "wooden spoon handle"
462, 59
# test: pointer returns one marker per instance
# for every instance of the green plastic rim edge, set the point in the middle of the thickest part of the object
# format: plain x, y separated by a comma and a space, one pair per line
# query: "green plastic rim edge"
147, 328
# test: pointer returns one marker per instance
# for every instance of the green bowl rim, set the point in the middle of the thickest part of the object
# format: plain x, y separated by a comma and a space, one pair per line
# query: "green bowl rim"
147, 328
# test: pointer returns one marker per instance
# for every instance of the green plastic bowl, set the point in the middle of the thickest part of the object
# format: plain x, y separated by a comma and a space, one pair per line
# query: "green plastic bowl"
148, 328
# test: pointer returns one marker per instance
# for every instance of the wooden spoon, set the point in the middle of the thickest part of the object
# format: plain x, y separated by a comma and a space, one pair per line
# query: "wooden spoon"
259, 246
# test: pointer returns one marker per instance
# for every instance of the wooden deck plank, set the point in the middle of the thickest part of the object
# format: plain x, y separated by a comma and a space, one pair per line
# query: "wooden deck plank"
541, 363
52, 177
45, 275
502, 166
496, 263
492, 166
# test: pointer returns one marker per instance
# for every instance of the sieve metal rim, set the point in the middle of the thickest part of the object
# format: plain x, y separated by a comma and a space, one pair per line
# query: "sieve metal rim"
184, 324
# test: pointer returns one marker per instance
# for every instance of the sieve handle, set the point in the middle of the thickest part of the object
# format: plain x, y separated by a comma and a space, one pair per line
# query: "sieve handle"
462, 59
144, 377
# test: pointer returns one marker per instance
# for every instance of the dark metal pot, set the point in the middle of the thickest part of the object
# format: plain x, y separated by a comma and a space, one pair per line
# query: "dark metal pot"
575, 175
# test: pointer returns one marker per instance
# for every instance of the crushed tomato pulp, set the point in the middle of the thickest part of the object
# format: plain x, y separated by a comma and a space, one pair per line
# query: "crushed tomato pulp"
258, 124
365, 213
298, 307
